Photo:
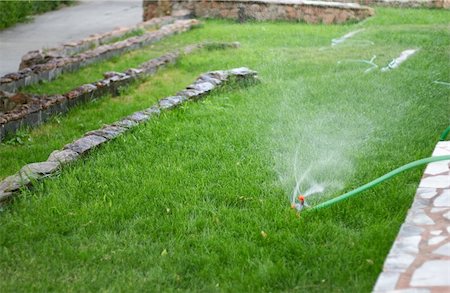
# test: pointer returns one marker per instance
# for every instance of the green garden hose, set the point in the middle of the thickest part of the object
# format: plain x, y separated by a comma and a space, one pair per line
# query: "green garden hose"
444, 134
381, 179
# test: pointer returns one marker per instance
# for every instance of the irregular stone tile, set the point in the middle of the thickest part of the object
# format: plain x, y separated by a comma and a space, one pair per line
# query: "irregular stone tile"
406, 245
398, 262
436, 232
386, 281
439, 181
442, 149
447, 215
138, 117
408, 230
411, 290
432, 273
85, 144
436, 240
437, 168
419, 217
63, 156
426, 193
39, 170
438, 210
443, 250
443, 200
420, 203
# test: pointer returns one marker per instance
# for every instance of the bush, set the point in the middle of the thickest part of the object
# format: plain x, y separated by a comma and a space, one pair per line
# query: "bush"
12, 12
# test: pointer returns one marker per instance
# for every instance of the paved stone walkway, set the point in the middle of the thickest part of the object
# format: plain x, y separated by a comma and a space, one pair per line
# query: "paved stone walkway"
66, 24
419, 260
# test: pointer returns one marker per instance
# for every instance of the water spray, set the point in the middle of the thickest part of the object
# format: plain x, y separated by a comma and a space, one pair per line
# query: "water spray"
370, 62
301, 203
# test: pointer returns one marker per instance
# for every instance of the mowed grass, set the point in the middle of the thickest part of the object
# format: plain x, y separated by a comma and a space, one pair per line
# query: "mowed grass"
180, 203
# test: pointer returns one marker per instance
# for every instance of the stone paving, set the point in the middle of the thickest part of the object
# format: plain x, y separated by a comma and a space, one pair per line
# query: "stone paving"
419, 260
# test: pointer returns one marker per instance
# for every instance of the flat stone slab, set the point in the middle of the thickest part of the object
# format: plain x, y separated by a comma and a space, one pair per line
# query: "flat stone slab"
63, 156
432, 273
39, 170
85, 144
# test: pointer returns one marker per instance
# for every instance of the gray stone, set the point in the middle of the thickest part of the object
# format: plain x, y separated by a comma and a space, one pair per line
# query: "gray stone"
85, 144
432, 273
36, 171
210, 79
219, 74
202, 87
152, 111
190, 93
12, 183
108, 132
125, 123
139, 117
63, 156
171, 102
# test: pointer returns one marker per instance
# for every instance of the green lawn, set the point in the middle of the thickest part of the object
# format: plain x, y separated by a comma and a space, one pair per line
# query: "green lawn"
181, 202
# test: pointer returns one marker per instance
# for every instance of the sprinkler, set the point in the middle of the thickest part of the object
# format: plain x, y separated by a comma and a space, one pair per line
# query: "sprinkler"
298, 206
302, 204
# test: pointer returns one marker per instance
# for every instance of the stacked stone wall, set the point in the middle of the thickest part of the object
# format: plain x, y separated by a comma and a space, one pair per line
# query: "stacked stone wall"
33, 172
54, 65
291, 10
19, 110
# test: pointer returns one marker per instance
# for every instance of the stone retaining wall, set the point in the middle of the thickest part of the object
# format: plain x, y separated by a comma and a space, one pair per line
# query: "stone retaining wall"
292, 10
27, 110
36, 171
56, 66
403, 3
75, 47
